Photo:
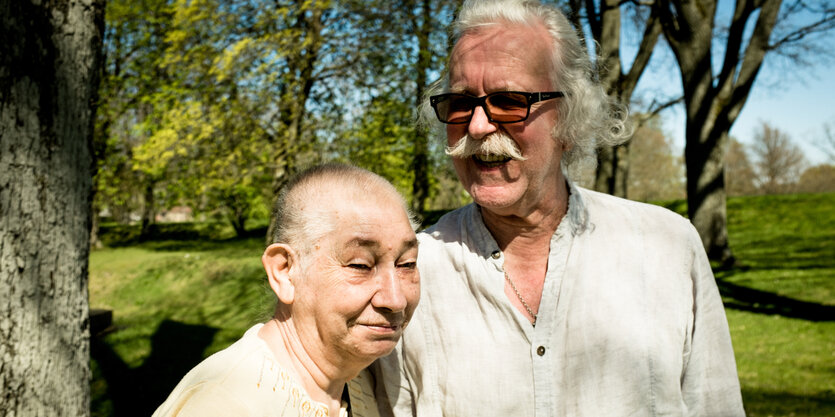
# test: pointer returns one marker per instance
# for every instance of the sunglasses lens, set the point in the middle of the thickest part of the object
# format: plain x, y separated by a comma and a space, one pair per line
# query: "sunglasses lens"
502, 107
455, 108
507, 107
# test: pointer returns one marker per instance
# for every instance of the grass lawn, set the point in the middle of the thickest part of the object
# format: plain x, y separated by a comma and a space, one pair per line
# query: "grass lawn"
174, 302
780, 302
194, 290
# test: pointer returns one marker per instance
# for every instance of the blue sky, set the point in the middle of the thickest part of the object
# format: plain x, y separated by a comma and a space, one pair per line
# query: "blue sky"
795, 98
797, 106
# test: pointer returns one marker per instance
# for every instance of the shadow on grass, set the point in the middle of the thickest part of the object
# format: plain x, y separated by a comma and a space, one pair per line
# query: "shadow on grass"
172, 237
758, 403
175, 349
763, 302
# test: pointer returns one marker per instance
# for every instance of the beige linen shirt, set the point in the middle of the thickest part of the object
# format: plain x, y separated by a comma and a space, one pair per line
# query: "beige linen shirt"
244, 379
630, 323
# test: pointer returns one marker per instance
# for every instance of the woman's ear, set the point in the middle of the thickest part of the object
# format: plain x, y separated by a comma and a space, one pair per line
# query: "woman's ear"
279, 261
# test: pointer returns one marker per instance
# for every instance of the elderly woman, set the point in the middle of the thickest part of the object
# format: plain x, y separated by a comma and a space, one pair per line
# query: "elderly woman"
343, 267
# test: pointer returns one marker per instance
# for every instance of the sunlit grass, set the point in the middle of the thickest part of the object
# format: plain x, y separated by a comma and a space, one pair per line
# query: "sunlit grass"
198, 284
780, 301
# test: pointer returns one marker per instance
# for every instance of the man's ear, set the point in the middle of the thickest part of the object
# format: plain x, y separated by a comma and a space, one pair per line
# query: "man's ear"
279, 261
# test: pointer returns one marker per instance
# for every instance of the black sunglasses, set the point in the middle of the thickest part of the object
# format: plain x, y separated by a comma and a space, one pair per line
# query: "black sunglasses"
500, 107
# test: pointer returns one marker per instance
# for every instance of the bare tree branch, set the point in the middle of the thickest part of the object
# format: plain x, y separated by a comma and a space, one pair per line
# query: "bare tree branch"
827, 143
655, 108
650, 38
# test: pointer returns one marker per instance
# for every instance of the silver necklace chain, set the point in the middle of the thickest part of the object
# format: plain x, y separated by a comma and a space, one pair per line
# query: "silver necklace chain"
519, 296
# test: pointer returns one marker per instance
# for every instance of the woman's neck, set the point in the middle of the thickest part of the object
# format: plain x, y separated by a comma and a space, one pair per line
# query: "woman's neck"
324, 384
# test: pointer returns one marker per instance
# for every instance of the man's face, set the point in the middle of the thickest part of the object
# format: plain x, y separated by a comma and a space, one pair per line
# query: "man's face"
361, 284
508, 58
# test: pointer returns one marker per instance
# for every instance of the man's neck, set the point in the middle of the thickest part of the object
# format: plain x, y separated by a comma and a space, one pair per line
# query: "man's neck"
531, 228
323, 384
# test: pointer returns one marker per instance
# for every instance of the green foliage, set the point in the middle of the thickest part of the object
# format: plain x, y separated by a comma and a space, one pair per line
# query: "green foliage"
213, 104
381, 141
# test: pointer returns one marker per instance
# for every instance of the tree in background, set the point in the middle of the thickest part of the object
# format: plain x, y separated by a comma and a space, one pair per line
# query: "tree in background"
740, 178
655, 171
133, 83
215, 103
826, 143
423, 23
713, 100
48, 78
778, 161
817, 179
380, 133
821, 178
604, 21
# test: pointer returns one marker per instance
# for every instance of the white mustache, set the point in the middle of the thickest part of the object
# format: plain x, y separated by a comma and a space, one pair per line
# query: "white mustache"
497, 144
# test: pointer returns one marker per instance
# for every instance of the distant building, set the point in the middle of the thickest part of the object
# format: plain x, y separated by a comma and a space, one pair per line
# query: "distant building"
176, 214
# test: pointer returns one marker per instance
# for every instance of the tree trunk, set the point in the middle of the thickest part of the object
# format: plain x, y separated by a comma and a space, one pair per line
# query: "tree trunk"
420, 163
604, 20
48, 61
706, 197
705, 135
148, 211
605, 24
612, 172
237, 208
713, 102
95, 242
299, 85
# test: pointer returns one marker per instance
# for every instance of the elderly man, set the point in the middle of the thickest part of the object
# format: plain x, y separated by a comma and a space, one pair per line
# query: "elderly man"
543, 298
344, 270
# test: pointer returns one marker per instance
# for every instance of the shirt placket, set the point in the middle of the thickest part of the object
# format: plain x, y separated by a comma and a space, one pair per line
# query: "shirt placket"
544, 356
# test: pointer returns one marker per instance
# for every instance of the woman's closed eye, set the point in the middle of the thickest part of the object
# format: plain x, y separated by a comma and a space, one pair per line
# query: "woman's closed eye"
407, 265
359, 266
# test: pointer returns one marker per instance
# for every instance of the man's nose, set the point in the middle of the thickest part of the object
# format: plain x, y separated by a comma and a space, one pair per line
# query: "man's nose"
389, 295
480, 126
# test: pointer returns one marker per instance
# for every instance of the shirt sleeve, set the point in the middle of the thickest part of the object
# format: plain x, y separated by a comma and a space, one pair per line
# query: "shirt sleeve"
207, 401
710, 385
361, 391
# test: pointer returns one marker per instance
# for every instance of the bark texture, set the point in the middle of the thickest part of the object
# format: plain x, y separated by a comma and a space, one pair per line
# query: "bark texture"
49, 52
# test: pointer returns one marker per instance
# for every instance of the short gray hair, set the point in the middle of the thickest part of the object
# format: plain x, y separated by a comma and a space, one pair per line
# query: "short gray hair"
301, 219
588, 117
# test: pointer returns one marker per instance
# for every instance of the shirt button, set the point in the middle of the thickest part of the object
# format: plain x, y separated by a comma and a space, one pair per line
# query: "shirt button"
540, 350
496, 254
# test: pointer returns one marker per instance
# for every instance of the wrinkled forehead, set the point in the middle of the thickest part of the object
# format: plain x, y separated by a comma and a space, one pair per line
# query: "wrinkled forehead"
531, 43
378, 222
348, 204
502, 32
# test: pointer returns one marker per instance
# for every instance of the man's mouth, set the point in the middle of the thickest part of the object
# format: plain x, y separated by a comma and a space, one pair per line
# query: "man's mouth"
491, 161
